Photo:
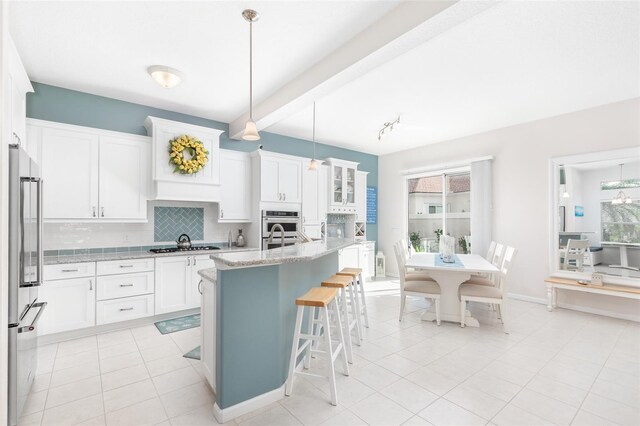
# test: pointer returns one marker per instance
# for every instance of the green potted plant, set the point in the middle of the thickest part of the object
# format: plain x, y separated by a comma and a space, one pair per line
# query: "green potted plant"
414, 237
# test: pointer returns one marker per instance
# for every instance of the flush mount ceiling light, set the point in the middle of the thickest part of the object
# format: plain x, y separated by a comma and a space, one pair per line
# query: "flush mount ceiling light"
250, 129
313, 164
621, 198
165, 76
388, 127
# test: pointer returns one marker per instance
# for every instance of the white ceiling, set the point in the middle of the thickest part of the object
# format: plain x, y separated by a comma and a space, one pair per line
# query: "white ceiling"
515, 62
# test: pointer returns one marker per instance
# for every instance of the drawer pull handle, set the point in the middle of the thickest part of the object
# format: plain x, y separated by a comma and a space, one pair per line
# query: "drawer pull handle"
126, 285
126, 266
126, 309
70, 270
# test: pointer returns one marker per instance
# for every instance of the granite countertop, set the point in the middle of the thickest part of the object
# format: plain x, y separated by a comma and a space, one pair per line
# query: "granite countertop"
210, 274
296, 253
52, 260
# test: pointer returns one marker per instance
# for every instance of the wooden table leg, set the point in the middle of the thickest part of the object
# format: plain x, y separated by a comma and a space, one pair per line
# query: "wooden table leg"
449, 281
550, 291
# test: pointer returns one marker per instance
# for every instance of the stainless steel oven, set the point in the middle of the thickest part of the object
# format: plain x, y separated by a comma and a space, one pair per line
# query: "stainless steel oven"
283, 224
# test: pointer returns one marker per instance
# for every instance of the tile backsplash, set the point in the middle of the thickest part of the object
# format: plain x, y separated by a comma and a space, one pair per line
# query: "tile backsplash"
170, 222
78, 235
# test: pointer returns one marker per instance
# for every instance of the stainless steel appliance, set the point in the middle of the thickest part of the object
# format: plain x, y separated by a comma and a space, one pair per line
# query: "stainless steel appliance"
25, 275
285, 234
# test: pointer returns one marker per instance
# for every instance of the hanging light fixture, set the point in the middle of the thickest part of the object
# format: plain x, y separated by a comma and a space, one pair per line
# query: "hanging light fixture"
313, 164
621, 198
250, 130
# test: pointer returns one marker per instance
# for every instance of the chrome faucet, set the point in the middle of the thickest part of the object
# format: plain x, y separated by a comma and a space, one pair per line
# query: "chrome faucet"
273, 229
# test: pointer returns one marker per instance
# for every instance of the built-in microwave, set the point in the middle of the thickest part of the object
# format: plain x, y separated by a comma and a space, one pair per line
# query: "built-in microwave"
288, 220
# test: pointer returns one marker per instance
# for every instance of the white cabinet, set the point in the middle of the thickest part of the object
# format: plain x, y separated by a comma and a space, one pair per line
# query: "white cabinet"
124, 178
361, 196
128, 308
16, 88
173, 284
208, 331
108, 172
177, 279
342, 186
69, 167
349, 257
314, 200
71, 304
280, 178
235, 180
167, 185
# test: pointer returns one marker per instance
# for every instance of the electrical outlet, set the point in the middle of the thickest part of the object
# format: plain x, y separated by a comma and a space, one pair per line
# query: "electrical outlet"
596, 279
125, 238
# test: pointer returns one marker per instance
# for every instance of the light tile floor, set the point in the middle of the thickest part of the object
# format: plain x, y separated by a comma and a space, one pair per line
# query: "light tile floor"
562, 368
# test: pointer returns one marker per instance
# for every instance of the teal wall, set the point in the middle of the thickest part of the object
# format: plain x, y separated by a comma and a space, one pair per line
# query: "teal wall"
83, 109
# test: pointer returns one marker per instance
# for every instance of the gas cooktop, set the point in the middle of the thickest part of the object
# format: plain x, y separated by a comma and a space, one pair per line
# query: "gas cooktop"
175, 249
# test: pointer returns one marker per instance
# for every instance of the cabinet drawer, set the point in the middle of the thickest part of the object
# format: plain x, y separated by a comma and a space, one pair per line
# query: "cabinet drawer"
124, 285
127, 266
69, 270
108, 311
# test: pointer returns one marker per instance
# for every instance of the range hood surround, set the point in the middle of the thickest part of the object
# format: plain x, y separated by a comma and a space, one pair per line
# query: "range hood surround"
203, 186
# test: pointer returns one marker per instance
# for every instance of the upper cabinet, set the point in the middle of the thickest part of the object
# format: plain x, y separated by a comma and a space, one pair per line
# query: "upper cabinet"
314, 199
91, 174
17, 86
171, 185
235, 180
280, 177
342, 186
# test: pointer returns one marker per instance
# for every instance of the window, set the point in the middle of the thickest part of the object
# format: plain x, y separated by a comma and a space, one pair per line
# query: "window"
620, 223
439, 204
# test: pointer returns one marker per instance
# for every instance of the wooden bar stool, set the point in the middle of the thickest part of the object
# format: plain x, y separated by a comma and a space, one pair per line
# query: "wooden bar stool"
358, 280
350, 319
323, 299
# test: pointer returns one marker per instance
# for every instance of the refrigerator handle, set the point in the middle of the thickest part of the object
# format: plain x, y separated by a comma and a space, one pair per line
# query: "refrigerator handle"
40, 232
32, 326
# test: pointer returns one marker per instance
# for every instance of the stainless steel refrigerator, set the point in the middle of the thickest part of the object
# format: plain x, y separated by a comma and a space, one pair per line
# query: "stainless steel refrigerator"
25, 275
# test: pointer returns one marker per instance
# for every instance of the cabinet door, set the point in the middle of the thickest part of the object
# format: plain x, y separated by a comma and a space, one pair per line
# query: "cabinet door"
323, 194
173, 279
208, 331
235, 203
310, 196
349, 188
371, 266
198, 263
337, 183
124, 178
289, 177
70, 173
349, 257
71, 304
269, 180
361, 197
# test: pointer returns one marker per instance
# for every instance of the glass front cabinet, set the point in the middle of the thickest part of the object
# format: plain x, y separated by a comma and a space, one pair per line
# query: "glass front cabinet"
342, 181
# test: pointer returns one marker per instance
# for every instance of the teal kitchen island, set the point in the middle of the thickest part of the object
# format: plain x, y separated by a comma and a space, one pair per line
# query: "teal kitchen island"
248, 317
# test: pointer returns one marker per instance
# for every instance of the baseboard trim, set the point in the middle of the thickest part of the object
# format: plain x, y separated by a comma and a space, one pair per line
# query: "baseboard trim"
585, 309
224, 415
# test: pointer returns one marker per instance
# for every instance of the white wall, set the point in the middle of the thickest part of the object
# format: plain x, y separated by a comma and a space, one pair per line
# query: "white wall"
521, 186
73, 235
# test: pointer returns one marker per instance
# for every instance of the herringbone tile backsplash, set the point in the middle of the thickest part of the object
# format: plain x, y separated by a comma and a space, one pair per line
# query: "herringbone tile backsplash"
170, 222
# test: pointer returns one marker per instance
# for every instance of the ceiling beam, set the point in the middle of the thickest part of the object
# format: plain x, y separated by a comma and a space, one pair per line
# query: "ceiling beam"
402, 29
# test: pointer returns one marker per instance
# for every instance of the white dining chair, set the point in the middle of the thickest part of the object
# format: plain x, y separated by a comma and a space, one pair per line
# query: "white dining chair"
489, 257
496, 296
574, 255
426, 288
496, 260
410, 273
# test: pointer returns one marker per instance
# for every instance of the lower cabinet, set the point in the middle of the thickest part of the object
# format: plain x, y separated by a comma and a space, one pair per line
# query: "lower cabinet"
208, 331
177, 281
359, 256
128, 308
71, 304
349, 257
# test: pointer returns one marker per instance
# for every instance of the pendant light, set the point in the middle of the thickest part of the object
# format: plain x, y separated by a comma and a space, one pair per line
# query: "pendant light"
621, 198
250, 130
313, 164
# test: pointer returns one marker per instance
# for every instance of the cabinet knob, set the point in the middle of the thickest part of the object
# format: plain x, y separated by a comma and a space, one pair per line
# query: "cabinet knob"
102, 212
221, 213
90, 285
188, 261
94, 212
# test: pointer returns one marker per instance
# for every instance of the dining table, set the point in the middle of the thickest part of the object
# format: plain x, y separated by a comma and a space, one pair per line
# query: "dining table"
449, 276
